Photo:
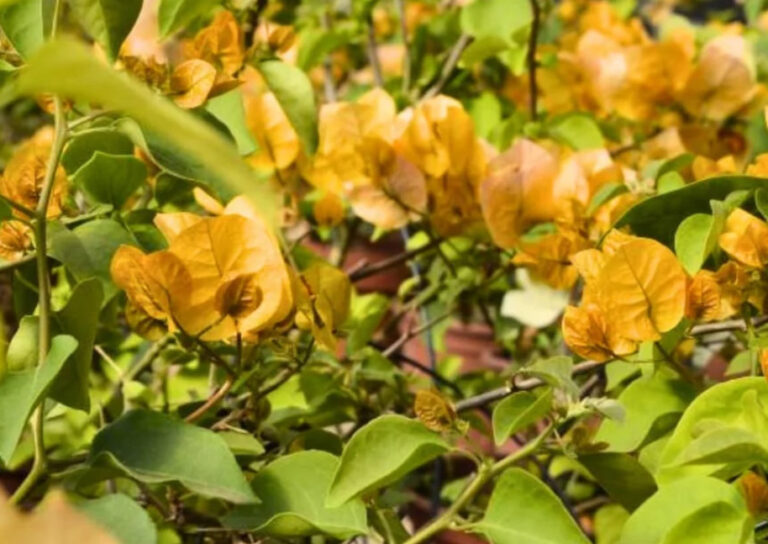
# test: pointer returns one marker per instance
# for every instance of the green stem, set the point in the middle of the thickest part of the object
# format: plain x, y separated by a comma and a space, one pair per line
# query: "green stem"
751, 335
484, 475
40, 462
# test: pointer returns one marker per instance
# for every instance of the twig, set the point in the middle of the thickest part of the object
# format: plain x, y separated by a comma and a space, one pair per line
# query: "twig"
727, 326
406, 87
212, 400
39, 463
434, 374
523, 385
532, 43
450, 64
373, 55
484, 475
329, 86
287, 375
390, 262
412, 333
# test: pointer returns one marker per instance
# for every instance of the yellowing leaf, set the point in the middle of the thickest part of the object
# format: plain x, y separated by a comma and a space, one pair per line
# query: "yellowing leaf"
328, 210
589, 334
22, 181
434, 411
279, 145
755, 491
642, 290
723, 81
517, 191
192, 82
322, 301
703, 297
589, 263
15, 240
745, 238
220, 44
549, 259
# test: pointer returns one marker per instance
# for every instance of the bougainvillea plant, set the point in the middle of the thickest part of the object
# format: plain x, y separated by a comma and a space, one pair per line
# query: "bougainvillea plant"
387, 271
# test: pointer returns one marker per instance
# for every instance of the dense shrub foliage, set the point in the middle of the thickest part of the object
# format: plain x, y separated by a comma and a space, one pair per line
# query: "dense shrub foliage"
394, 271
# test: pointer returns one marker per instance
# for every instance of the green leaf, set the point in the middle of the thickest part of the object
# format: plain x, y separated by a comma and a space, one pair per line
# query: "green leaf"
609, 520
485, 111
87, 250
657, 517
604, 194
21, 392
174, 15
501, 18
652, 404
670, 181
657, 217
107, 21
380, 453
716, 523
724, 445
82, 147
761, 201
482, 48
242, 444
292, 490
523, 510
315, 44
155, 448
294, 92
556, 371
79, 319
26, 24
752, 9
695, 239
518, 411
366, 313
736, 404
229, 110
624, 479
577, 130
22, 350
675, 164
122, 517
111, 179
51, 69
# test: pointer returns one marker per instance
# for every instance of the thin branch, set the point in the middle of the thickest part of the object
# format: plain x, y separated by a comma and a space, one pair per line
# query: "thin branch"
390, 262
727, 326
406, 87
329, 85
449, 66
373, 54
522, 385
434, 374
412, 333
532, 43
212, 401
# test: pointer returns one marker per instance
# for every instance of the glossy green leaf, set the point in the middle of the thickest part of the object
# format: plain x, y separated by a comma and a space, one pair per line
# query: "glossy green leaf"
675, 164
87, 250
111, 179
657, 217
716, 523
517, 412
695, 239
670, 181
725, 445
155, 448
366, 313
609, 521
229, 110
242, 443
79, 319
174, 15
315, 44
577, 130
26, 24
556, 371
20, 392
659, 515
22, 349
738, 404
500, 18
482, 48
107, 21
296, 96
81, 148
121, 517
761, 201
292, 490
50, 71
624, 479
652, 404
380, 453
523, 510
